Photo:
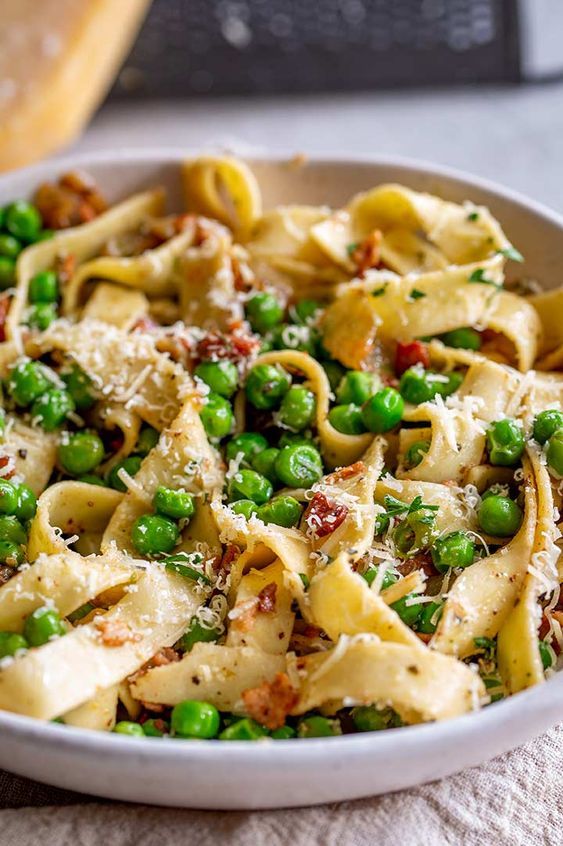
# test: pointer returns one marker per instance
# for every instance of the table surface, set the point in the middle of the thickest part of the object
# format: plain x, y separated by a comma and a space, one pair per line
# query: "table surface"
512, 134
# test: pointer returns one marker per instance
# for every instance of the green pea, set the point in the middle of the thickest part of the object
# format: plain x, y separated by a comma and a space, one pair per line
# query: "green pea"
416, 453
499, 516
44, 287
546, 424
317, 726
22, 220
131, 465
11, 643
245, 729
356, 387
301, 338
152, 534
294, 439
334, 372
248, 484
249, 444
129, 728
418, 386
245, 507
409, 614
265, 464
81, 452
147, 440
389, 578
7, 272
370, 718
505, 442
43, 625
347, 419
8, 497
27, 381
217, 416
554, 453
266, 386
91, 479
282, 511
80, 387
11, 553
264, 312
9, 246
193, 718
179, 505
453, 550
44, 235
42, 315
297, 409
12, 530
428, 620
197, 633
155, 728
299, 466
221, 376
27, 502
283, 733
547, 654
52, 408
305, 311
417, 531
463, 339
383, 411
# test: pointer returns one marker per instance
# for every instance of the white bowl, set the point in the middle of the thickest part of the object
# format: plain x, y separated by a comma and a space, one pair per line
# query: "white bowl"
214, 774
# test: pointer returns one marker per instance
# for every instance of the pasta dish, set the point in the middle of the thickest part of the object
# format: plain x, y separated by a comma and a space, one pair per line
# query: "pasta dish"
282, 472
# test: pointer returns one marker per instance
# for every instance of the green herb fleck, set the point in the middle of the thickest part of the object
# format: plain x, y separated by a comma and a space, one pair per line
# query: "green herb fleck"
181, 564
473, 216
305, 580
379, 291
415, 294
512, 253
479, 275
351, 248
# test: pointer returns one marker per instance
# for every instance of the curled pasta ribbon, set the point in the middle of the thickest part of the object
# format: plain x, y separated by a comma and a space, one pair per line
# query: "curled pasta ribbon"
33, 453
81, 242
116, 305
112, 415
483, 596
223, 188
453, 512
420, 685
98, 714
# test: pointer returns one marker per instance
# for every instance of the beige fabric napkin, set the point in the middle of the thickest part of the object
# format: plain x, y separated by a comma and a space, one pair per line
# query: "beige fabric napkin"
516, 799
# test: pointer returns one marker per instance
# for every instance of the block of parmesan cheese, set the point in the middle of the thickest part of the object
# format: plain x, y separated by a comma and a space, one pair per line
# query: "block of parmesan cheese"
57, 60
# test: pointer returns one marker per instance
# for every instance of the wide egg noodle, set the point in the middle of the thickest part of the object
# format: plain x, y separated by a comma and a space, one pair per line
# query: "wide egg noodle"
32, 451
116, 305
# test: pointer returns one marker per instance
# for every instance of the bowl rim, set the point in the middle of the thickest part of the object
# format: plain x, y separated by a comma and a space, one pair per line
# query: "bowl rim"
543, 700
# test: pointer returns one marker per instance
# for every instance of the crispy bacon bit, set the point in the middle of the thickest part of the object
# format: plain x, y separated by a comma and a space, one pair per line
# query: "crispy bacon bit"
6, 573
367, 254
236, 346
65, 266
75, 199
346, 473
421, 561
115, 632
270, 702
225, 562
407, 355
7, 466
425, 638
324, 515
144, 324
267, 598
166, 656
311, 631
4, 309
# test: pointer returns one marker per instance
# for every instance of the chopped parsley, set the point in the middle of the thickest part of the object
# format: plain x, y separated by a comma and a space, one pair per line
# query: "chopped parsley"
181, 564
379, 291
304, 579
479, 275
395, 506
351, 248
415, 294
511, 253
473, 216
487, 645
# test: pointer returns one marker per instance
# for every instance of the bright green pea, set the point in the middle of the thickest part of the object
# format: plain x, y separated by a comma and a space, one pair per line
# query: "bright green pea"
193, 718
12, 530
334, 372
9, 246
383, 411
264, 312
356, 387
52, 408
463, 339
505, 442
554, 453
249, 444
305, 311
10, 643
297, 409
409, 614
499, 516
428, 620
80, 387
81, 452
152, 534
7, 272
389, 578
282, 511
27, 381
197, 633
217, 416
129, 728
27, 503
546, 424
245, 729
347, 419
92, 479
416, 453
283, 733
317, 726
131, 465
43, 625
22, 220
221, 376
453, 550
299, 466
44, 287
266, 386
547, 655
155, 728
370, 718
147, 440
42, 315
290, 337
245, 507
8, 497
248, 484
265, 464
179, 505
417, 531
11, 553
418, 386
